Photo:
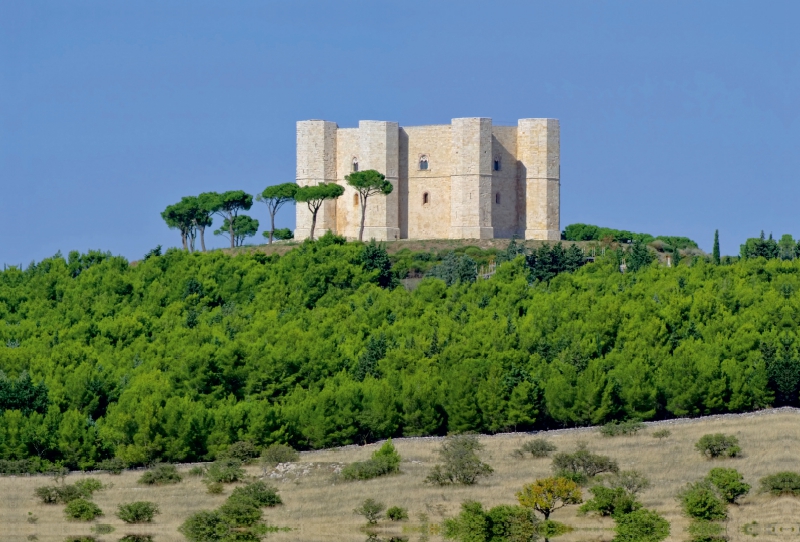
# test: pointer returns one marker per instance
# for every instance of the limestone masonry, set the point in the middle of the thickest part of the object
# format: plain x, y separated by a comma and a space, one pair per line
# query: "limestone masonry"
463, 180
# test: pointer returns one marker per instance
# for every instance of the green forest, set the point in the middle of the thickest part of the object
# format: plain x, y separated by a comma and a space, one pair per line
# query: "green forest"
182, 354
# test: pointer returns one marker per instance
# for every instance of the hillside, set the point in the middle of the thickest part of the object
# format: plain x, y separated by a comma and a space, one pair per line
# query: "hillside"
183, 354
319, 508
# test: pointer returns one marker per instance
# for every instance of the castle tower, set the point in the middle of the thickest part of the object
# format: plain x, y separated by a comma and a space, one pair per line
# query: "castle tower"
471, 179
316, 163
538, 152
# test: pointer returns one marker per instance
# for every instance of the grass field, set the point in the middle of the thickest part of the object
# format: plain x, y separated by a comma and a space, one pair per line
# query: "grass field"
318, 508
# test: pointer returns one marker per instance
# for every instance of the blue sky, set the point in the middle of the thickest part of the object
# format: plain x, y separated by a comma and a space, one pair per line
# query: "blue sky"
677, 117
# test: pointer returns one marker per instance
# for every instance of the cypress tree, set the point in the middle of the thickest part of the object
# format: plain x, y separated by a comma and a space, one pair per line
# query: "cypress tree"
715, 253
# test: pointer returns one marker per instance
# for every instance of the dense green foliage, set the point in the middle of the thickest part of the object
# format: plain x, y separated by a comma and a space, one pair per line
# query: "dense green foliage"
537, 448
277, 453
81, 509
781, 483
137, 512
225, 471
160, 475
502, 523
700, 501
607, 501
65, 493
718, 445
371, 509
616, 428
729, 483
397, 513
582, 465
588, 232
384, 460
182, 355
641, 526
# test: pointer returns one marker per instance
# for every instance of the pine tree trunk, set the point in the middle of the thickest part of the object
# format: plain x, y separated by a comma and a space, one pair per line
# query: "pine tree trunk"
202, 239
313, 222
183, 240
363, 216
271, 224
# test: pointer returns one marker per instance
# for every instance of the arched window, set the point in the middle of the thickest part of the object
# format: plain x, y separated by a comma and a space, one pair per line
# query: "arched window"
497, 163
355, 164
497, 198
423, 162
355, 200
425, 198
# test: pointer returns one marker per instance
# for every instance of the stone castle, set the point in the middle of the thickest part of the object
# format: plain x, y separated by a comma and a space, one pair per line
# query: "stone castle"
463, 180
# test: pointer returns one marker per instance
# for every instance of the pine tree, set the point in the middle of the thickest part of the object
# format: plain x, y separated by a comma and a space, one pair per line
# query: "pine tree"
715, 253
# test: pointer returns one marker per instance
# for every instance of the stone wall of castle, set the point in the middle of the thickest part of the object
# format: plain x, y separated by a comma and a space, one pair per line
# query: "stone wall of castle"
464, 180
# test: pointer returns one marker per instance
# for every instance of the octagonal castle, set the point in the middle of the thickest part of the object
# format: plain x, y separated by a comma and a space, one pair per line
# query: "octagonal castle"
463, 180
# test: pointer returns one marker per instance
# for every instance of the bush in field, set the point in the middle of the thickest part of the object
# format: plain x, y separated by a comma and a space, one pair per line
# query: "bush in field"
244, 451
240, 512
781, 483
460, 462
641, 526
385, 460
214, 488
396, 513
112, 466
371, 509
261, 493
700, 501
62, 494
204, 526
502, 523
225, 471
608, 501
729, 482
718, 445
706, 531
662, 434
626, 428
630, 480
582, 464
537, 448
137, 512
82, 509
161, 474
549, 494
275, 454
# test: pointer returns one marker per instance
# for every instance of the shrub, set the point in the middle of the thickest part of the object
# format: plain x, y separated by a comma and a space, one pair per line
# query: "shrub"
548, 494
32, 518
729, 482
275, 454
537, 448
204, 526
88, 486
385, 460
214, 488
718, 445
583, 462
501, 523
261, 493
626, 428
461, 464
641, 526
137, 512
781, 483
700, 501
610, 501
82, 509
244, 451
198, 470
662, 434
103, 528
396, 513
371, 510
161, 474
225, 471
630, 480
112, 466
550, 529
577, 477
471, 524
240, 512
64, 494
706, 531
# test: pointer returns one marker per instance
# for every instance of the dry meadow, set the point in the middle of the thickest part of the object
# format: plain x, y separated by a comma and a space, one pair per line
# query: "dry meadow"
320, 508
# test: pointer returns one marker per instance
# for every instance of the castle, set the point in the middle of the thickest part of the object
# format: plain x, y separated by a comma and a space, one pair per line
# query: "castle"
463, 180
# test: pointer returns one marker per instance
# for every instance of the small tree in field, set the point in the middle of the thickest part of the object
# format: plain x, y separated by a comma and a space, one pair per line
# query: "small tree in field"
315, 196
718, 445
460, 462
368, 183
275, 197
371, 509
548, 494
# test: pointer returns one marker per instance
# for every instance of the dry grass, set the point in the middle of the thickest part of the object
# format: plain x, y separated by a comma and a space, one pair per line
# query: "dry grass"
320, 509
